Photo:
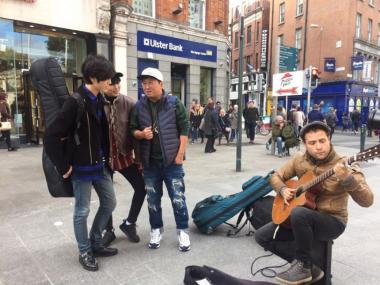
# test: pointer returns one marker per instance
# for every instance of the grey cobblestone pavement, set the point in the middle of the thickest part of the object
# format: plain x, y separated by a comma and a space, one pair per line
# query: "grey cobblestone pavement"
38, 247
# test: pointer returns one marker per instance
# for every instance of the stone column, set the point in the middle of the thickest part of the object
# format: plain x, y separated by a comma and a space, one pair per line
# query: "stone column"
120, 11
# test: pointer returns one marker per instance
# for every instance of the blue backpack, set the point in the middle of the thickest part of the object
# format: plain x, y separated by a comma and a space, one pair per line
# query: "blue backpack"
216, 209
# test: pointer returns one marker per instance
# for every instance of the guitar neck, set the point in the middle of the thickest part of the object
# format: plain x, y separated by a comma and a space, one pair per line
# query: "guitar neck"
323, 176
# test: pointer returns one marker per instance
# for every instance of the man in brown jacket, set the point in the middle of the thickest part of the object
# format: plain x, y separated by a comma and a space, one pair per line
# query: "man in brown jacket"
124, 156
329, 219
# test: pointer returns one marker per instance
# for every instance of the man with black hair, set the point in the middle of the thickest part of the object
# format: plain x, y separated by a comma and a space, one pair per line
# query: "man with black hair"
124, 157
328, 220
161, 124
80, 153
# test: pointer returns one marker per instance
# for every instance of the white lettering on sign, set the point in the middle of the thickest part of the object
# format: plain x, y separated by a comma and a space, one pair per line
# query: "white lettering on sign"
264, 42
162, 45
329, 65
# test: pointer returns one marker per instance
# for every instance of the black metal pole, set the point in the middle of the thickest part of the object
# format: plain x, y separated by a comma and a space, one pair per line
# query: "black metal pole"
362, 136
240, 97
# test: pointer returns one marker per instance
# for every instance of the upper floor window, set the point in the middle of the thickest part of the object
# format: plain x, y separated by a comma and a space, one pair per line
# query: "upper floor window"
236, 39
298, 43
144, 7
196, 13
299, 7
249, 34
358, 25
282, 13
257, 32
280, 39
378, 34
369, 30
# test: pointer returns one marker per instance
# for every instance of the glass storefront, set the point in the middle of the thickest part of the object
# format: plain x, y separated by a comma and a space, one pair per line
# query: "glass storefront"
20, 45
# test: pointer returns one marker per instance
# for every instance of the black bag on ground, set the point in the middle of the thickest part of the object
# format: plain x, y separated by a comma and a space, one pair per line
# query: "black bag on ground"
195, 275
260, 211
48, 79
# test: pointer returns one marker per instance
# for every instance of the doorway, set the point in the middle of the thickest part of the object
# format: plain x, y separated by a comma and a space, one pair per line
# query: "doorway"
178, 81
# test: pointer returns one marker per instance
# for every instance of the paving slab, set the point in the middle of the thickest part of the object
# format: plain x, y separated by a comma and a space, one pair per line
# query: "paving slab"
38, 245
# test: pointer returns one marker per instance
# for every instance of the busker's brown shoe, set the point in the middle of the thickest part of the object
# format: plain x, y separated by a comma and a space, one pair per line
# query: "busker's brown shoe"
296, 274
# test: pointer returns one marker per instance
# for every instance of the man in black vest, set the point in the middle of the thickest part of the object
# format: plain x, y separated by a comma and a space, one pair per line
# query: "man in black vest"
161, 124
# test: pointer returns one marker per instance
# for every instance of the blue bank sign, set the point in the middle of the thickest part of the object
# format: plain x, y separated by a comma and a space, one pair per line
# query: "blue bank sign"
154, 43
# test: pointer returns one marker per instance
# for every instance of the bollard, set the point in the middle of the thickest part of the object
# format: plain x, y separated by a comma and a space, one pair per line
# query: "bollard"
362, 136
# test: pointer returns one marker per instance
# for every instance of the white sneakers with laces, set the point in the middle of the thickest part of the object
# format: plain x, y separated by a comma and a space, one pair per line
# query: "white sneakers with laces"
155, 238
184, 241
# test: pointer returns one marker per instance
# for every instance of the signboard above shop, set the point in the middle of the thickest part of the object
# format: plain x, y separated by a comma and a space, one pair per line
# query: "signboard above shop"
160, 44
288, 83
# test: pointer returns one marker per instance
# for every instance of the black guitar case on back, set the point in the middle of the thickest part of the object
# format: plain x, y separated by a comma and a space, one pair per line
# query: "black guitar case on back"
48, 79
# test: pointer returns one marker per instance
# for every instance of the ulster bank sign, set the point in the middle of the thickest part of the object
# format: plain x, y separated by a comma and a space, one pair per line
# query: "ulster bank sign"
154, 43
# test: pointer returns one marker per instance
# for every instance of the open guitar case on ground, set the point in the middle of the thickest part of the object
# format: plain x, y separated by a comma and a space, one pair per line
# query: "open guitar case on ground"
198, 275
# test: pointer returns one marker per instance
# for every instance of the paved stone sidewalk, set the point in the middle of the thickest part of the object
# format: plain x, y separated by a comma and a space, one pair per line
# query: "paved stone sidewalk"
37, 241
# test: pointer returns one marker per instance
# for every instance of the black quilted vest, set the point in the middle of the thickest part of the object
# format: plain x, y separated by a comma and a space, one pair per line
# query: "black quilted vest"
168, 133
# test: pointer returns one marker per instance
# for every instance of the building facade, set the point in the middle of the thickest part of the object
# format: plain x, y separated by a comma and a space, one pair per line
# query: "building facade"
186, 40
255, 50
341, 39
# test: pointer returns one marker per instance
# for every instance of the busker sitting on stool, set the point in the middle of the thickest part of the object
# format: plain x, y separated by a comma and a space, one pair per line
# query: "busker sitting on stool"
328, 220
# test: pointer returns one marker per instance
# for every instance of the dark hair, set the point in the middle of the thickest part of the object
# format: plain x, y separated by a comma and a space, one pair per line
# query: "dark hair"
98, 67
313, 127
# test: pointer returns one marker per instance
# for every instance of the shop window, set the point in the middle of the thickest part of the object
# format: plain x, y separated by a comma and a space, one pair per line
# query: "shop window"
144, 7
196, 13
205, 85
359, 104
351, 105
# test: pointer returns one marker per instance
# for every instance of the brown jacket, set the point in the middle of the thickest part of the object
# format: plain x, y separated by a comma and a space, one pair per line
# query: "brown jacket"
334, 198
119, 112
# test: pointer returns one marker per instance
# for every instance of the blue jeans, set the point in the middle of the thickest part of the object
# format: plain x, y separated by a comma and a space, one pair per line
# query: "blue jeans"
279, 145
172, 175
194, 134
82, 194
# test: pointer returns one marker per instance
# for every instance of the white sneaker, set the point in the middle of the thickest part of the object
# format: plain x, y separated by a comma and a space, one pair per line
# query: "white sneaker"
184, 241
155, 238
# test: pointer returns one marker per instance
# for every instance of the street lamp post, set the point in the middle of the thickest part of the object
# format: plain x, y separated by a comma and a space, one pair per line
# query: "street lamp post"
240, 97
313, 26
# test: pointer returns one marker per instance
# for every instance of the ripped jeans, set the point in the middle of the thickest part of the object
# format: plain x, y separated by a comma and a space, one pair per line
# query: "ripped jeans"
172, 175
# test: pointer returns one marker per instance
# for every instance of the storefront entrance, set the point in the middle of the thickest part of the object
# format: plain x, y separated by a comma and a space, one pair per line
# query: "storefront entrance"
178, 85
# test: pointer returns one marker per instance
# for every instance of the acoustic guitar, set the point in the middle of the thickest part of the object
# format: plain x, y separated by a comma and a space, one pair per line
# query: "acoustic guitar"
309, 187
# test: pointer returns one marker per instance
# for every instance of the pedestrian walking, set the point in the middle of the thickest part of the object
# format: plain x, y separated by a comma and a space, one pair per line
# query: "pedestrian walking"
331, 120
5, 116
251, 116
211, 128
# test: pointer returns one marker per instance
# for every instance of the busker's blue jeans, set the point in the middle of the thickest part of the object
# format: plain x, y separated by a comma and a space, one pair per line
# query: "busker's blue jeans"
107, 200
172, 175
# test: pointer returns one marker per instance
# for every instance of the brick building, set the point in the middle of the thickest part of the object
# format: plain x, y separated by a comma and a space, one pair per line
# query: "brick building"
341, 39
186, 40
255, 62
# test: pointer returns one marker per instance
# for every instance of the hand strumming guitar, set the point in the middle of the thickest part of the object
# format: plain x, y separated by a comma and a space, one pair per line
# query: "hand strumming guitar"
288, 194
